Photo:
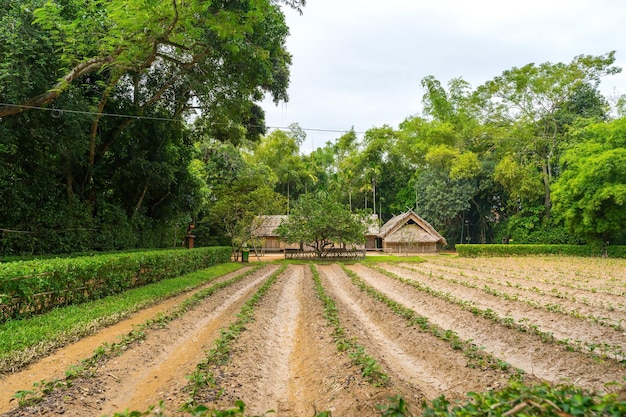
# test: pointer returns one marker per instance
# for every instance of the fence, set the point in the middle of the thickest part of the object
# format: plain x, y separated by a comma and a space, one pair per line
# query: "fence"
331, 255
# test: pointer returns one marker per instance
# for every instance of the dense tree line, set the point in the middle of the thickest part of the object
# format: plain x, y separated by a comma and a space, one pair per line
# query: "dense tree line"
535, 155
101, 147
96, 150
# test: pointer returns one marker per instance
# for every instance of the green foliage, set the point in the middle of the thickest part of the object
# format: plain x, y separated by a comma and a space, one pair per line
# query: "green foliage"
590, 196
240, 199
397, 408
528, 225
520, 181
534, 103
529, 250
319, 222
74, 181
280, 152
441, 200
34, 287
77, 179
20, 338
536, 400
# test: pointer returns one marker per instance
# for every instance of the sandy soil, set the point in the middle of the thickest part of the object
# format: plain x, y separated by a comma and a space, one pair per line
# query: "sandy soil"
523, 350
287, 361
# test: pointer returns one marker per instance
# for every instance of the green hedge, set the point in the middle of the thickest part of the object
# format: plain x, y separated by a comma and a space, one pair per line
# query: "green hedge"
34, 287
525, 250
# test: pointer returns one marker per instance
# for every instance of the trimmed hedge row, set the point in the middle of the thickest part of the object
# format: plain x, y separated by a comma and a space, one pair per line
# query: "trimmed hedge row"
34, 287
526, 249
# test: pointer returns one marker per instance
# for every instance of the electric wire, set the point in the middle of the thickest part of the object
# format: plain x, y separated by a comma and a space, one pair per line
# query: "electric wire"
57, 112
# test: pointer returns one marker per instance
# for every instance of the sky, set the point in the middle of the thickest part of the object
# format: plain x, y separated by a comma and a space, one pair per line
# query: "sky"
359, 63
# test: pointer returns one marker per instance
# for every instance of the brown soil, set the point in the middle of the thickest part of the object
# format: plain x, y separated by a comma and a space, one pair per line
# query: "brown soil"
287, 360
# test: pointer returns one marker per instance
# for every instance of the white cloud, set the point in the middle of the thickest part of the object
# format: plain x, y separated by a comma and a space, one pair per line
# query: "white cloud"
359, 62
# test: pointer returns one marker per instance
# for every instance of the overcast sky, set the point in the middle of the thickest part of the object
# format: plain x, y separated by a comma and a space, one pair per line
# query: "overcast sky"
359, 63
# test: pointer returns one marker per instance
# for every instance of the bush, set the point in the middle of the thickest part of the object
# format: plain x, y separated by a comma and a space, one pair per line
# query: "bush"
526, 250
530, 226
34, 287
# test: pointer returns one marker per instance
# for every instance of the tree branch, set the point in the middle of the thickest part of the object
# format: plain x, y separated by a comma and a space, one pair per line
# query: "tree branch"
78, 71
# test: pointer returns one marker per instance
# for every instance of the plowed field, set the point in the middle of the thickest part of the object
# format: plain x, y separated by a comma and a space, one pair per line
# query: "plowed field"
482, 322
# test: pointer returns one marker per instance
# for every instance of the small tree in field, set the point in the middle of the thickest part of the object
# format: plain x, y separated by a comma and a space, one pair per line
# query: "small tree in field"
321, 223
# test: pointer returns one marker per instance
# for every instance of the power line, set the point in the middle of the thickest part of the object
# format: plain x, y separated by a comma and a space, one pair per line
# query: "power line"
56, 112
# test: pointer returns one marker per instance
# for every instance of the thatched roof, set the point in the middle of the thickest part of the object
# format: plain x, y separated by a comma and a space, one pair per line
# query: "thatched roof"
373, 225
265, 226
409, 227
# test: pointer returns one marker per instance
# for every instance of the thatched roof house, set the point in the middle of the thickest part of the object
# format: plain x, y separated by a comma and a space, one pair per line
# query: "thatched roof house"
404, 233
264, 230
408, 232
373, 241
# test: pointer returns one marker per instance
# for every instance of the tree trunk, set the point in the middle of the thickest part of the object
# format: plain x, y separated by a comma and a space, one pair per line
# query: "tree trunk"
546, 184
350, 198
140, 201
374, 194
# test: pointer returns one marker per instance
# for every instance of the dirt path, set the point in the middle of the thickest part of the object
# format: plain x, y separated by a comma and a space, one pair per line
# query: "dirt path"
598, 275
57, 362
523, 350
419, 361
144, 374
287, 360
563, 289
157, 369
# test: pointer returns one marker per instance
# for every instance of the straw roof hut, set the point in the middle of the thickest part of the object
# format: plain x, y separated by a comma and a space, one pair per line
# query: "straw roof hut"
408, 232
373, 241
264, 230
404, 233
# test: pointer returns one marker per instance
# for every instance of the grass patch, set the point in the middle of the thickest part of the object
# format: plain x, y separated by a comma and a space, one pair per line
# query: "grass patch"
23, 341
391, 259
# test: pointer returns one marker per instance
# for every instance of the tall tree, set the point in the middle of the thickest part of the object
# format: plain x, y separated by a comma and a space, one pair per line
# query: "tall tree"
531, 99
280, 151
109, 84
590, 195
238, 192
129, 37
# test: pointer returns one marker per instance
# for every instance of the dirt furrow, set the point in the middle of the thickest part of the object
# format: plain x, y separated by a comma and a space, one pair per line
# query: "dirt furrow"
522, 350
286, 360
155, 369
562, 326
588, 274
274, 373
595, 303
57, 362
415, 358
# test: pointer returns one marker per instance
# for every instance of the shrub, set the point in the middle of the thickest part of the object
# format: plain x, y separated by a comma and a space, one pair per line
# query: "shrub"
34, 287
526, 250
